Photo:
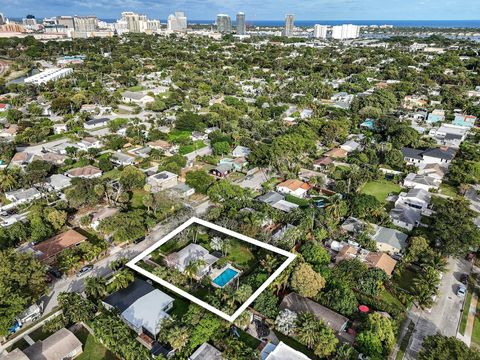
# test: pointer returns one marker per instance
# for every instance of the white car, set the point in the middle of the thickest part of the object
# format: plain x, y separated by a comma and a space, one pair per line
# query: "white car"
462, 290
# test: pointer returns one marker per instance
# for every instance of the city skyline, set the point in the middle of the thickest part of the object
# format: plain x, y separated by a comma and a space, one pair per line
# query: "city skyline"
270, 10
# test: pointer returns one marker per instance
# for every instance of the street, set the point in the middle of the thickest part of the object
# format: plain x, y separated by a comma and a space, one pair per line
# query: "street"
76, 284
445, 314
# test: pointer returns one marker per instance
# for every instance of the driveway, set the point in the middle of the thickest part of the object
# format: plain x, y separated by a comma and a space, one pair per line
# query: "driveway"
444, 316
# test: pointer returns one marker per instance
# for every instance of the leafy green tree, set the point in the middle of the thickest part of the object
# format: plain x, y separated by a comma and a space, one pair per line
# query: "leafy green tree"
199, 180
306, 281
75, 307
377, 337
316, 255
267, 304
221, 148
132, 178
95, 287
438, 347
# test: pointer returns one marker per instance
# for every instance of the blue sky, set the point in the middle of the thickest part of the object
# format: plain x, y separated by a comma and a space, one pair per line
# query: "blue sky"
255, 9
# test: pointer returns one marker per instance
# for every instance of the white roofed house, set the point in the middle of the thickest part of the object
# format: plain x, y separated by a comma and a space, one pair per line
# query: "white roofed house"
23, 195
139, 98
418, 181
162, 181
190, 253
241, 151
410, 207
418, 199
58, 182
89, 142
350, 146
120, 158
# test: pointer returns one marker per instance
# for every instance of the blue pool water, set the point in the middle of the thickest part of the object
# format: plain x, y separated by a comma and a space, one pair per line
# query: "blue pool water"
223, 279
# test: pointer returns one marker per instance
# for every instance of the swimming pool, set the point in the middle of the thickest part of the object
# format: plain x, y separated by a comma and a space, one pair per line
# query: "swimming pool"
225, 277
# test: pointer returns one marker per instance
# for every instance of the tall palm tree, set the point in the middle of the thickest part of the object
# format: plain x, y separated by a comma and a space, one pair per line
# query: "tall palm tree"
308, 329
95, 287
193, 267
122, 279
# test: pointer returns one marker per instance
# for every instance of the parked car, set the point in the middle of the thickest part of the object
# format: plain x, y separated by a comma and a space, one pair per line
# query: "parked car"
54, 272
464, 279
462, 290
84, 270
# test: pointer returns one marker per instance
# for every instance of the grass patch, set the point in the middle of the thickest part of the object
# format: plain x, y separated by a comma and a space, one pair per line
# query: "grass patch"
390, 299
466, 310
297, 200
240, 254
296, 345
112, 174
404, 279
136, 88
248, 339
380, 189
448, 190
180, 307
476, 329
405, 341
177, 135
196, 145
39, 334
92, 349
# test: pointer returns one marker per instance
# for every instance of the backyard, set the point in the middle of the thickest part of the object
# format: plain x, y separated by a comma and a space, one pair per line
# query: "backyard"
380, 189
92, 349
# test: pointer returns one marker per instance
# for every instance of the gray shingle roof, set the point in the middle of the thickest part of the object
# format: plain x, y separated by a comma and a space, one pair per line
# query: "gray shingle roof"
392, 237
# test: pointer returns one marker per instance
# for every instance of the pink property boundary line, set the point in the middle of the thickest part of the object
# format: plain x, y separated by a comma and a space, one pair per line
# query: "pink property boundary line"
231, 318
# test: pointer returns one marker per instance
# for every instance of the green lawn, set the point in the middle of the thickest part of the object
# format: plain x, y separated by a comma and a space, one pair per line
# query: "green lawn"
92, 349
248, 339
136, 88
476, 329
176, 135
39, 334
404, 281
196, 145
389, 298
297, 200
466, 308
405, 340
380, 189
180, 307
448, 190
239, 254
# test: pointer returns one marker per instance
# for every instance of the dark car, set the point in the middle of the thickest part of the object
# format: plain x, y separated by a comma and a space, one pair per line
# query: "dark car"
464, 279
84, 270
55, 273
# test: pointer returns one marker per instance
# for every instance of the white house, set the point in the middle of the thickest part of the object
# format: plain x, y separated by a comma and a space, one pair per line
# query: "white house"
162, 181
120, 158
417, 199
441, 155
139, 98
23, 195
241, 151
418, 181
96, 123
59, 128
89, 142
294, 187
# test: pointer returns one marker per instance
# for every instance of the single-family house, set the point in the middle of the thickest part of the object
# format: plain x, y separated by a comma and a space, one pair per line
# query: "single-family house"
222, 170
197, 136
238, 164
141, 306
405, 217
53, 158
162, 181
122, 159
59, 128
464, 120
58, 182
182, 190
412, 102
294, 187
21, 159
419, 181
350, 146
23, 196
436, 116
322, 163
241, 151
9, 132
306, 114
417, 199
89, 142
382, 261
206, 352
280, 351
48, 250
336, 153
440, 155
139, 98
390, 240
299, 304
192, 252
435, 171
96, 123
85, 172
277, 201
143, 152
161, 145
62, 344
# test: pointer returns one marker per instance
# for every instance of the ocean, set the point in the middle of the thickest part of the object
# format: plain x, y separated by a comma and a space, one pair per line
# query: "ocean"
309, 23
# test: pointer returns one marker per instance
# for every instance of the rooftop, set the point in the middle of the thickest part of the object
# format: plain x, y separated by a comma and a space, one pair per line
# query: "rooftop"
58, 243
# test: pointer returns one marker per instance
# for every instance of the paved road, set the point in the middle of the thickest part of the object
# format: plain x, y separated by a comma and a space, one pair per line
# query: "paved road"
207, 150
76, 284
445, 314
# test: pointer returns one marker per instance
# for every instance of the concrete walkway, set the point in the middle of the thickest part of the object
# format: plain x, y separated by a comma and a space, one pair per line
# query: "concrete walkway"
467, 337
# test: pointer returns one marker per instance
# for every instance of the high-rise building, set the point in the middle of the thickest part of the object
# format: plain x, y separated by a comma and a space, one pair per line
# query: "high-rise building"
85, 23
153, 25
2, 19
289, 25
133, 21
320, 31
66, 21
224, 24
241, 27
177, 22
345, 31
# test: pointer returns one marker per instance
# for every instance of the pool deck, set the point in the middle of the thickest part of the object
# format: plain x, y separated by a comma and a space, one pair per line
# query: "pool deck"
217, 272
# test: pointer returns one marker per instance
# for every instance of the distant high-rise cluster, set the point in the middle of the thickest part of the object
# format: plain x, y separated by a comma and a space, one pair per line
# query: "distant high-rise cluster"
177, 22
289, 25
346, 31
241, 26
2, 19
136, 23
320, 31
224, 24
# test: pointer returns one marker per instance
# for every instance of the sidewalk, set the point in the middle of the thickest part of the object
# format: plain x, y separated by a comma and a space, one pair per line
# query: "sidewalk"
467, 338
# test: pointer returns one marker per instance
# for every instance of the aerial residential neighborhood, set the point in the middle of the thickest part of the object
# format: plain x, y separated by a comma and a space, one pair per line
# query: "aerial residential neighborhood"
238, 189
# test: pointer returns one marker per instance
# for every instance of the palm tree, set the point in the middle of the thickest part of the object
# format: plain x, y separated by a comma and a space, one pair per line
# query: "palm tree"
95, 287
178, 337
122, 279
307, 329
193, 267
269, 263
